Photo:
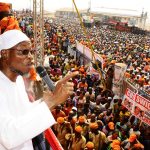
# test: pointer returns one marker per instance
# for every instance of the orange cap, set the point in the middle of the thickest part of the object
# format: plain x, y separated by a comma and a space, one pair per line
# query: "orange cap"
60, 120
93, 125
114, 143
78, 129
4, 7
116, 147
132, 137
90, 145
81, 119
111, 125
9, 23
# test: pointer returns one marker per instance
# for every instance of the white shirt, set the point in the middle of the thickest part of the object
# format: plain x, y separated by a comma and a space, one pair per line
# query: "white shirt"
20, 120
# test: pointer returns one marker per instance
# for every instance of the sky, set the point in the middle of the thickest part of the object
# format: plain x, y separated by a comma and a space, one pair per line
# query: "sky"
52, 5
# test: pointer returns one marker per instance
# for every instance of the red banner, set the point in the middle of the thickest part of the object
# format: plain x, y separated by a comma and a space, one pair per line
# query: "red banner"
137, 105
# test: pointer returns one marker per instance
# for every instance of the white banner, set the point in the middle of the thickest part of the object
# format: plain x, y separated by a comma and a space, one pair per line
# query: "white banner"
87, 52
119, 71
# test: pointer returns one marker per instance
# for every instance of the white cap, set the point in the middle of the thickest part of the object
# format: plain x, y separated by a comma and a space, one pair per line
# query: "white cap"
11, 38
74, 108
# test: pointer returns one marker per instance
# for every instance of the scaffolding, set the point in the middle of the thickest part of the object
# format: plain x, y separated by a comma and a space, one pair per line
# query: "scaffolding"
38, 26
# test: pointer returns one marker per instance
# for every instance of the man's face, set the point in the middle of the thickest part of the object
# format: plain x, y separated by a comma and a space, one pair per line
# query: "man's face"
20, 57
137, 110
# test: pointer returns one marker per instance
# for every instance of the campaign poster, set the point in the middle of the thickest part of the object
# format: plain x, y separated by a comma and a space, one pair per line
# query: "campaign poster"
119, 71
142, 109
137, 105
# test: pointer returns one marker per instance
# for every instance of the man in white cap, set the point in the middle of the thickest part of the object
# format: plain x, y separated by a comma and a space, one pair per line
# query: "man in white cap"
21, 120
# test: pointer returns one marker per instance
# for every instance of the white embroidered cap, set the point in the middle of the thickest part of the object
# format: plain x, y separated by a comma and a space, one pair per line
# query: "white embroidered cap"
11, 38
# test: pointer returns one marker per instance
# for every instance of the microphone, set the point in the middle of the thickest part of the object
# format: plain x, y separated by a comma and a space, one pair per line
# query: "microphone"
49, 135
43, 74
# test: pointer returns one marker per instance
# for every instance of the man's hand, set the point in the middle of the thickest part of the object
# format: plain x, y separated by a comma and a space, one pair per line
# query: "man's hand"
62, 91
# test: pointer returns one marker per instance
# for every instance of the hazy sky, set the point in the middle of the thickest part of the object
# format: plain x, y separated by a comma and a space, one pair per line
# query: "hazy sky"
83, 4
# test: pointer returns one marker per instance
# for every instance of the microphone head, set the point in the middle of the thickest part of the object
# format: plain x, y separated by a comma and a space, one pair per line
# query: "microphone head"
41, 71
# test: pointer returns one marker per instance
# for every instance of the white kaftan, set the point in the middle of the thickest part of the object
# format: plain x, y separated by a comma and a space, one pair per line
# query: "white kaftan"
20, 120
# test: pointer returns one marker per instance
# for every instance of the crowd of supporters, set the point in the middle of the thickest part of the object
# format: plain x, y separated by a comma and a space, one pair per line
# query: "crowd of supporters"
113, 46
93, 118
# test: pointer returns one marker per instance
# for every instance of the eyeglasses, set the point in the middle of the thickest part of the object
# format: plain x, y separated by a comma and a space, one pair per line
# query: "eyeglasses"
25, 51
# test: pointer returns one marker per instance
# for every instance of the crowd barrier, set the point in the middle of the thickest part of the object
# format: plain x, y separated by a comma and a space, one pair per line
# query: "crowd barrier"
52, 140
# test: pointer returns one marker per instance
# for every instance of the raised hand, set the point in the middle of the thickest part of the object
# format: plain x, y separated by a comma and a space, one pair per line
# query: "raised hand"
63, 89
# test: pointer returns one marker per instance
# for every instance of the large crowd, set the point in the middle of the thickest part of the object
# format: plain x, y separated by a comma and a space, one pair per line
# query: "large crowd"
113, 46
93, 118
